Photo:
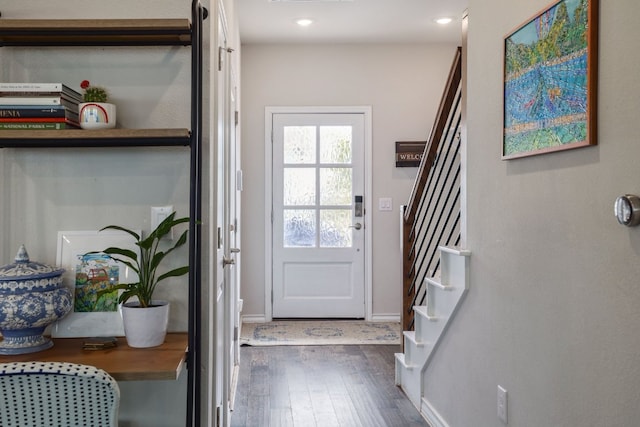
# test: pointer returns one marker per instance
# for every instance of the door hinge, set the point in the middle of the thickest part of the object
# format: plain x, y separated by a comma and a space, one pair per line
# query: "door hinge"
220, 56
235, 334
219, 237
237, 117
222, 50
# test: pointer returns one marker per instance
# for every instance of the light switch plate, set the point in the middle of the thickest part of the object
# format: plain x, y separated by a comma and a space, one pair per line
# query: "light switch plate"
159, 214
385, 204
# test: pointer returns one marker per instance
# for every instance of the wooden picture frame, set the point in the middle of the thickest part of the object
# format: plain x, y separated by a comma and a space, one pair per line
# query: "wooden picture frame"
550, 80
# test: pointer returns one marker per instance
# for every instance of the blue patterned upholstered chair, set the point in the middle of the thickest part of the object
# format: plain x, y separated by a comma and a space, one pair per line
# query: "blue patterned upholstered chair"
51, 394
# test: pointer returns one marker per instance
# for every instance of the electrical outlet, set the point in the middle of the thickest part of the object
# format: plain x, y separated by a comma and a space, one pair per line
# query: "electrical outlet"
502, 404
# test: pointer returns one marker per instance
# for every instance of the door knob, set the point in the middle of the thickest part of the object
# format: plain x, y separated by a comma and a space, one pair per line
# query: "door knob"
227, 261
357, 226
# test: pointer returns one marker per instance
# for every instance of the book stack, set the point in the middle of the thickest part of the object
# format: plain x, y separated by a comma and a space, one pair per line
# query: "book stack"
32, 106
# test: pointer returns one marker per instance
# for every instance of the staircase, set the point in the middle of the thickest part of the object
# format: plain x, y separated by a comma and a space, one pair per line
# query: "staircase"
444, 294
435, 268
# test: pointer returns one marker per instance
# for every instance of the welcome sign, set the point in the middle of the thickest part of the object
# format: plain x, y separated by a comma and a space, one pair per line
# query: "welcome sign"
409, 154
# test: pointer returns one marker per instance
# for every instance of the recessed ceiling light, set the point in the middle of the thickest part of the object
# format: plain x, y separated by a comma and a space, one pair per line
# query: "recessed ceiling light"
304, 22
444, 20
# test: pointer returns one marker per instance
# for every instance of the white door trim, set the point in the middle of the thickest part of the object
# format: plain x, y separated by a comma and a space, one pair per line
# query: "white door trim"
268, 191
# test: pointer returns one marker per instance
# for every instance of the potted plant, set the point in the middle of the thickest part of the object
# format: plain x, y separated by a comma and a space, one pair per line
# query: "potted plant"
96, 112
145, 319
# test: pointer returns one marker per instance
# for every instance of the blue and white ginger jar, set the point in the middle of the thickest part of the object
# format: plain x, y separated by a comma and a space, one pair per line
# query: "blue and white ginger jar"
31, 298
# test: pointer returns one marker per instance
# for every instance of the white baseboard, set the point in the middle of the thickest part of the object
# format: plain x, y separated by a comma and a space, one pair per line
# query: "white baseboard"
253, 318
431, 415
261, 318
390, 317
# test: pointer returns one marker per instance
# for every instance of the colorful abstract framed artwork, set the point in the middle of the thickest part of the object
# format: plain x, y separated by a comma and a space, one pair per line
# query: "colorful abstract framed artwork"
550, 78
86, 274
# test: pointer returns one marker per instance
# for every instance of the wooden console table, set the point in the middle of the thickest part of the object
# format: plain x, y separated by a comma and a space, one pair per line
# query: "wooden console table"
123, 363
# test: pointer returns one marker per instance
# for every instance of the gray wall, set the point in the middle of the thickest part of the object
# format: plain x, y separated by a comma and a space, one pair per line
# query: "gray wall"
402, 83
552, 313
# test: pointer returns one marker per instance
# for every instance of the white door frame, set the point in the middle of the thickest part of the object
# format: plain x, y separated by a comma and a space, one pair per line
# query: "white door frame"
221, 309
268, 191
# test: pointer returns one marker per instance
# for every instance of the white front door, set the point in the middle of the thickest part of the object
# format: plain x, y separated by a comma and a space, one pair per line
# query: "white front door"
318, 222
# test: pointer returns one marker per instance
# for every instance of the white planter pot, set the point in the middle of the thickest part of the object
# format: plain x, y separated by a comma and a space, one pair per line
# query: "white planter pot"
97, 115
145, 327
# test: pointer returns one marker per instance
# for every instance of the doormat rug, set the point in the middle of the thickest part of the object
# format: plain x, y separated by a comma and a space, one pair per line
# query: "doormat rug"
320, 332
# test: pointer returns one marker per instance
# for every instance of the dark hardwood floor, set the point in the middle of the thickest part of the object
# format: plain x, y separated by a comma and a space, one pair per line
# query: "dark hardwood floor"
306, 386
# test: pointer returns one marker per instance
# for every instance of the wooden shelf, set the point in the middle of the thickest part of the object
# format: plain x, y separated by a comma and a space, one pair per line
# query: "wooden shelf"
94, 138
123, 363
95, 32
